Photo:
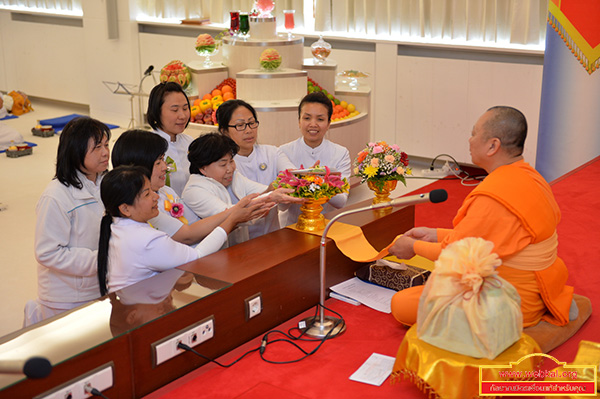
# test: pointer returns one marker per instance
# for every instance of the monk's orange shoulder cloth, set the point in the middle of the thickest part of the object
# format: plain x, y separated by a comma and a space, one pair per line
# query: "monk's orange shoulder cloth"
525, 193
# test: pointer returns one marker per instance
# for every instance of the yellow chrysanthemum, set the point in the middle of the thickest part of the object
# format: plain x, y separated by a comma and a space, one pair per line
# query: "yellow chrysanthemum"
370, 171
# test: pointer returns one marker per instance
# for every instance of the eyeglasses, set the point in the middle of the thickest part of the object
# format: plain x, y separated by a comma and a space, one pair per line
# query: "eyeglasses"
240, 127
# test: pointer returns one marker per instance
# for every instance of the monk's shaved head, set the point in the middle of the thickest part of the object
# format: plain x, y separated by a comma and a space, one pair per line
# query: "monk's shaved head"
510, 126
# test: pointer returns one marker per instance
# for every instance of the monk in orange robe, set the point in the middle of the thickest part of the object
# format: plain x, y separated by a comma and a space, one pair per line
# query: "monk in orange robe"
514, 208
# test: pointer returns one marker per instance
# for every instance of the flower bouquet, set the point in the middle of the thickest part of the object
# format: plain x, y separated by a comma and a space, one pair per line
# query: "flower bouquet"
381, 166
317, 186
270, 59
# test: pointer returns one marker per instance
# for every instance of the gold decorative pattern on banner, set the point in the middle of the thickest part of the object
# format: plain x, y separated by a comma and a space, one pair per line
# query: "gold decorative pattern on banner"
588, 56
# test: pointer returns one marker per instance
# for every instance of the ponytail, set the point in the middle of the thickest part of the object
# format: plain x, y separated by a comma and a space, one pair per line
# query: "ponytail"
119, 186
105, 233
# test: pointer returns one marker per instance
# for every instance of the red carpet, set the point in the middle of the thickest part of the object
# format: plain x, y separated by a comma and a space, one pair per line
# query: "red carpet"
326, 373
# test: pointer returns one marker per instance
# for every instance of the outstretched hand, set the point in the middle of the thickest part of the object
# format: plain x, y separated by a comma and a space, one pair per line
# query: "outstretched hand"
423, 234
250, 207
403, 247
281, 196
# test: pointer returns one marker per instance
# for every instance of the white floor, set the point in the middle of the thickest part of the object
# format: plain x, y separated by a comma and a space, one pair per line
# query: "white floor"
23, 180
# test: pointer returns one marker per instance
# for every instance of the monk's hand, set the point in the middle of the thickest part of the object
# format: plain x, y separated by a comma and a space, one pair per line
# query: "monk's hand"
423, 234
403, 247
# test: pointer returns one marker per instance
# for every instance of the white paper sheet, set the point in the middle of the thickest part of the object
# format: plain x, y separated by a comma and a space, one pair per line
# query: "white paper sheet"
375, 370
371, 295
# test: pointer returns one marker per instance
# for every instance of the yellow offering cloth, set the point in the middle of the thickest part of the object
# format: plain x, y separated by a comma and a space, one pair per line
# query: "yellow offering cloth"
351, 241
444, 374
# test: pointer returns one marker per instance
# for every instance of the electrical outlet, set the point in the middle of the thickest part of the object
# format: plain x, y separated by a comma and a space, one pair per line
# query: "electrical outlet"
253, 306
167, 348
202, 332
444, 171
100, 378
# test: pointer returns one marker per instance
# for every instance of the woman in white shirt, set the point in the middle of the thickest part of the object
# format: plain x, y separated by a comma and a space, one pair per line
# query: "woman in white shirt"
141, 148
215, 185
258, 162
68, 221
169, 115
129, 249
314, 119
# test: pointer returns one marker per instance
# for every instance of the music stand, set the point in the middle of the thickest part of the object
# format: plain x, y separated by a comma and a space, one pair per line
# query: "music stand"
124, 89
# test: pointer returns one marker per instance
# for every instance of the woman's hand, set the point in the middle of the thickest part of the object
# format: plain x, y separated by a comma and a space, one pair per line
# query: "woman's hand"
249, 208
280, 196
403, 247
423, 234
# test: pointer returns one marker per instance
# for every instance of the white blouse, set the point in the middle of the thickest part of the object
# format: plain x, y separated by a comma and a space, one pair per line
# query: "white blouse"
137, 251
207, 197
263, 164
332, 155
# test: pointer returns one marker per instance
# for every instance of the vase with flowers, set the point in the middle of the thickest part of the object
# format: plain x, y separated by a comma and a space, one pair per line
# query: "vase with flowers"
381, 166
316, 186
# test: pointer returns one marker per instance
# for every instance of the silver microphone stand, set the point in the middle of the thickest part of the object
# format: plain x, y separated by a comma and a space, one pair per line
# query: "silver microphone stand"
321, 326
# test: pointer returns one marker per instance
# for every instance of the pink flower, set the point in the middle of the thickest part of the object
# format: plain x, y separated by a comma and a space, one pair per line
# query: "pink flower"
395, 147
389, 158
375, 162
177, 210
377, 149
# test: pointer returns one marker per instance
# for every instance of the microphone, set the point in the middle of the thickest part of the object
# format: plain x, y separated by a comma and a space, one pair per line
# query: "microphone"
34, 367
434, 196
148, 71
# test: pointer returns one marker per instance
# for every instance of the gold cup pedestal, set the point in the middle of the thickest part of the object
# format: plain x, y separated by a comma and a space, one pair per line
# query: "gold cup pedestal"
310, 218
382, 194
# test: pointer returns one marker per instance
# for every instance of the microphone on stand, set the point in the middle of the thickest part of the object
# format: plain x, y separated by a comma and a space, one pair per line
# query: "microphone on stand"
148, 71
34, 367
321, 326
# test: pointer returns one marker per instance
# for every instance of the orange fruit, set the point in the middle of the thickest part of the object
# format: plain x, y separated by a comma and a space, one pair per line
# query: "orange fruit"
351, 108
344, 104
226, 89
228, 96
207, 96
217, 92
197, 101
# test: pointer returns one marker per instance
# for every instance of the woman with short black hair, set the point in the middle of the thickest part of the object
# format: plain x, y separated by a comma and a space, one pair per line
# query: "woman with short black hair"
68, 221
215, 186
169, 115
259, 162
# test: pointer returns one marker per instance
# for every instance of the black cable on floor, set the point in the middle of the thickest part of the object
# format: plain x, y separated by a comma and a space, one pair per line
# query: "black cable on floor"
289, 339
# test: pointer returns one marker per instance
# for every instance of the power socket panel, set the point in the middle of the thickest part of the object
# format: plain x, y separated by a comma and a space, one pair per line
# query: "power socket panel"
167, 348
254, 305
100, 378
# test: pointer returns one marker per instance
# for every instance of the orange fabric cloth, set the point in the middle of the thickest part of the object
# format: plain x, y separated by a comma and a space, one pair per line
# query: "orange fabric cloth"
499, 211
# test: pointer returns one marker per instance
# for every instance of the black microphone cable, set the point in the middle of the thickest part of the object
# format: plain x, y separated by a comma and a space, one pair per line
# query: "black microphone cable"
91, 390
290, 338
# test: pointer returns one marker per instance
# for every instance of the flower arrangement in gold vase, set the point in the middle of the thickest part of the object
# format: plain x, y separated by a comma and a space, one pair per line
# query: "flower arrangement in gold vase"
316, 185
381, 166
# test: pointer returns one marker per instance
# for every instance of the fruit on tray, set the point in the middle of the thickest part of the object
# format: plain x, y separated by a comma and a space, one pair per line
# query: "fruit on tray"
209, 102
341, 109
176, 71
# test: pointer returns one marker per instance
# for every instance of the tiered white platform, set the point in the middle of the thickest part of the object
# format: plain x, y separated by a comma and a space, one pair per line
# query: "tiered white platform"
275, 95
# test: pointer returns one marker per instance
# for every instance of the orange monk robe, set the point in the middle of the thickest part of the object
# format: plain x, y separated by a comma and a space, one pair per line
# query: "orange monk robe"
513, 208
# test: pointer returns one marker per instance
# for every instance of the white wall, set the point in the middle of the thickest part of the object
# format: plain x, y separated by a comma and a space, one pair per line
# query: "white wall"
423, 98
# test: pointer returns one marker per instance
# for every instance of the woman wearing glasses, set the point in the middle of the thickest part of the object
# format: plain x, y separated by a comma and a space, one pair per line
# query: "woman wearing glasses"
258, 162
215, 186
